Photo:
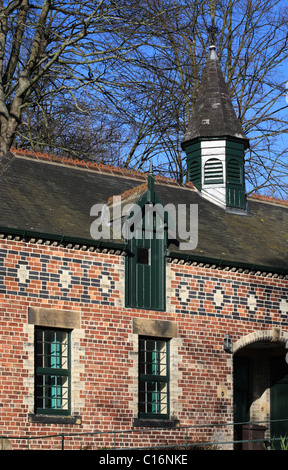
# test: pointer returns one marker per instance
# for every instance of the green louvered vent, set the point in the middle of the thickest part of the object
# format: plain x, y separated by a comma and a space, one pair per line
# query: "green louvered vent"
234, 175
235, 186
195, 172
213, 171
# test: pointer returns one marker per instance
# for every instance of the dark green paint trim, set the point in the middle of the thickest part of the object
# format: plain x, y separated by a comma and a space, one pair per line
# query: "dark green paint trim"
228, 263
42, 371
124, 247
63, 238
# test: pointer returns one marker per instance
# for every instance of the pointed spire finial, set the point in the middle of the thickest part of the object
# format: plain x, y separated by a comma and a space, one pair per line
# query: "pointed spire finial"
213, 114
151, 182
213, 53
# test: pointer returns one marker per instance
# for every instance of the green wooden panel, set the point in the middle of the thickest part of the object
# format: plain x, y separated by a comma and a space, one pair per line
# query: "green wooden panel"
235, 186
235, 197
235, 148
194, 172
145, 283
193, 153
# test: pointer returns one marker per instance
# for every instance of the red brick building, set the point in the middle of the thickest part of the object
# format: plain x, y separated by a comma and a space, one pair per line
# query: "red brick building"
164, 328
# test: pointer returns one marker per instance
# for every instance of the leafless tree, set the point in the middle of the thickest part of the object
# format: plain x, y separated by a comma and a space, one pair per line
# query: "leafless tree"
251, 40
54, 47
129, 73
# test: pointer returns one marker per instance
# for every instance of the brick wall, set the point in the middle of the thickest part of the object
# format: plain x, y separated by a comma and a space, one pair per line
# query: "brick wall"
205, 303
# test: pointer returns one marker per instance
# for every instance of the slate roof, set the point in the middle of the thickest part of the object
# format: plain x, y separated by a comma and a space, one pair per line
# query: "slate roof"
213, 115
52, 197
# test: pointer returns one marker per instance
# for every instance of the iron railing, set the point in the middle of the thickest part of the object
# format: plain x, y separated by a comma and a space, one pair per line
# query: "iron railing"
113, 439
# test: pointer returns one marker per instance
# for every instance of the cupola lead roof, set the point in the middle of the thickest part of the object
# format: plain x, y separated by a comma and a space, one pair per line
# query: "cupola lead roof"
214, 115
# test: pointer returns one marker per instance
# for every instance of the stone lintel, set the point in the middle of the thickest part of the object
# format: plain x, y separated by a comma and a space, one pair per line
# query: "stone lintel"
161, 328
53, 317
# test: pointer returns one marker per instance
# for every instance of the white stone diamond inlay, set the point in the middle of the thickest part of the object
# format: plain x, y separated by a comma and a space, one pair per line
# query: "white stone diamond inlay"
251, 301
218, 299
283, 306
23, 273
65, 279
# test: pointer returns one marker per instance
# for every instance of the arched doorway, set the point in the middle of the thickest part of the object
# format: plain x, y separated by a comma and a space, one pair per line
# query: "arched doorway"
260, 378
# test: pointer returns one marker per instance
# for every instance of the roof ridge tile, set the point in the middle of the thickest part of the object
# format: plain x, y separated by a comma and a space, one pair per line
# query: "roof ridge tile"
101, 167
272, 200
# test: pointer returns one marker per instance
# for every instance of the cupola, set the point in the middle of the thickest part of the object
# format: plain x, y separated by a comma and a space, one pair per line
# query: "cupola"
215, 142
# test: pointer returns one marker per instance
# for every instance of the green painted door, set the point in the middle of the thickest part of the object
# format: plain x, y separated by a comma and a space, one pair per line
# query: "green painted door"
279, 399
145, 269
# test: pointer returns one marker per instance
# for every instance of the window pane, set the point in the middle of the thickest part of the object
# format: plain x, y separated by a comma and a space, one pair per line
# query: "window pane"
142, 255
52, 370
52, 392
153, 397
153, 357
153, 392
52, 349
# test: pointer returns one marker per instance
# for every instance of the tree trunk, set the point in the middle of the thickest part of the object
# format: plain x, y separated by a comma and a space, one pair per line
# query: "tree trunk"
7, 137
9, 120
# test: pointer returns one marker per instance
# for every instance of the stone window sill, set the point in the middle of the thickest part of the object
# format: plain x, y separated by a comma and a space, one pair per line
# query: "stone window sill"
156, 423
49, 419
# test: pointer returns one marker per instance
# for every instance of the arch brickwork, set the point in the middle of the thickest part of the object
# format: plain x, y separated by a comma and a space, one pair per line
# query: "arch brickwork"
275, 335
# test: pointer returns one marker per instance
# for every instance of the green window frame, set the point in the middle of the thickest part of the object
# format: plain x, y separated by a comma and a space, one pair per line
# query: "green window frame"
52, 371
153, 378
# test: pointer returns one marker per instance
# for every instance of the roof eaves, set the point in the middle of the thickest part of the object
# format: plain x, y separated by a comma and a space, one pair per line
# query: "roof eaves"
227, 265
47, 239
120, 248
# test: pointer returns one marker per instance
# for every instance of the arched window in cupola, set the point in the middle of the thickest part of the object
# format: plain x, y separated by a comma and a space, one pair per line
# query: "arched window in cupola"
213, 171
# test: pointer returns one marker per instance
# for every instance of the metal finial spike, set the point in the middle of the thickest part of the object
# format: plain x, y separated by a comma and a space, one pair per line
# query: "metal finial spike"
213, 53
